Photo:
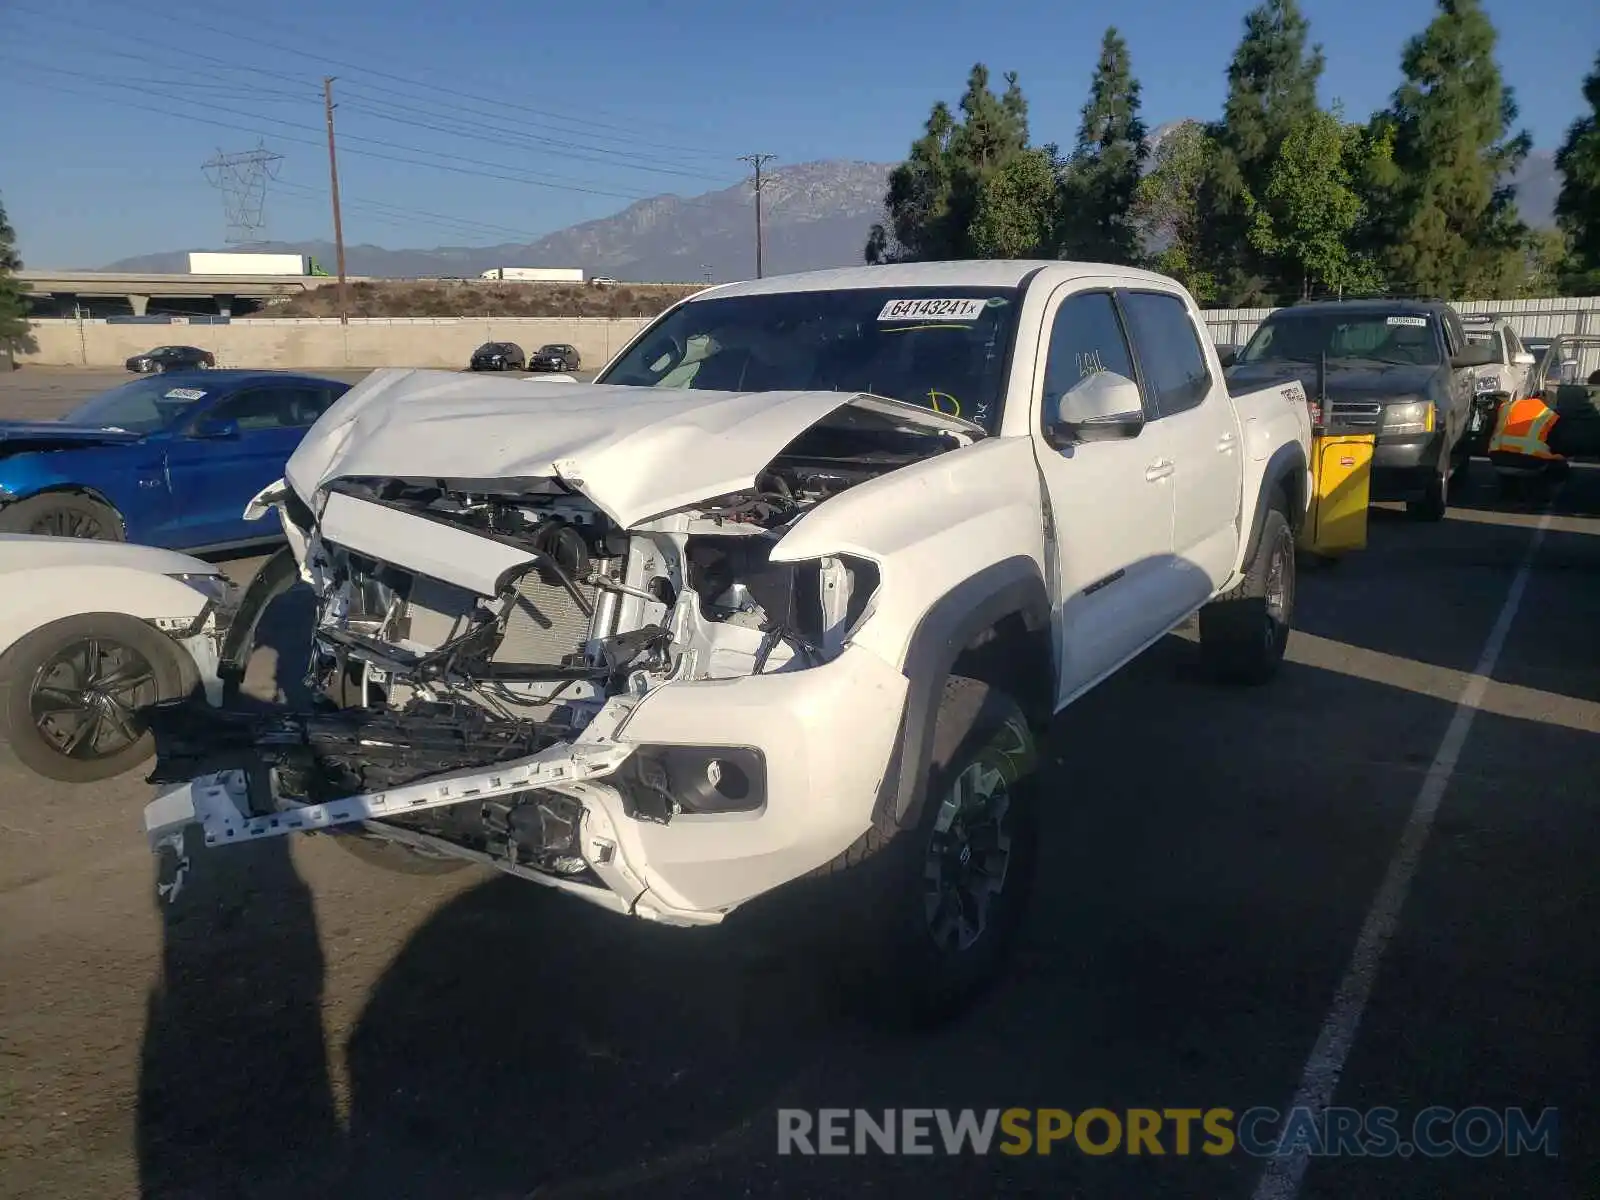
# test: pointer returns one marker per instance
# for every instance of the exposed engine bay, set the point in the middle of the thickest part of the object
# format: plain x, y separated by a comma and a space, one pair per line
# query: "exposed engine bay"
499, 617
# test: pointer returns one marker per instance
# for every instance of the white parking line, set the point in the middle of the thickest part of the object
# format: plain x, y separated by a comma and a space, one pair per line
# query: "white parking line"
1281, 1180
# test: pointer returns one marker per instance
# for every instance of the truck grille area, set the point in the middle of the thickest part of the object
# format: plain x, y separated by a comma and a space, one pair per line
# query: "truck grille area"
1359, 413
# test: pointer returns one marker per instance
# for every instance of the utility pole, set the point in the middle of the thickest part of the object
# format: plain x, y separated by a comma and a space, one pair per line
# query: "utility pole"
756, 161
333, 185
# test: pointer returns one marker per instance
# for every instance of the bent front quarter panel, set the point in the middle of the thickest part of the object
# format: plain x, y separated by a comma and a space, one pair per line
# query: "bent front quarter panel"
53, 593
929, 528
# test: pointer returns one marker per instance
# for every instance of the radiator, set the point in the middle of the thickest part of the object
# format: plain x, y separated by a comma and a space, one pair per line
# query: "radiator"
546, 623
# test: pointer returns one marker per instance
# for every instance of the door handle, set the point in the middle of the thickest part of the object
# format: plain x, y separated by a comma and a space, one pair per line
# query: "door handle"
1159, 469
1225, 443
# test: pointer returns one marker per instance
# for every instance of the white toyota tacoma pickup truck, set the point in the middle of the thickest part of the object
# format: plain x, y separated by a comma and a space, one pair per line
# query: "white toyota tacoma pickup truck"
792, 589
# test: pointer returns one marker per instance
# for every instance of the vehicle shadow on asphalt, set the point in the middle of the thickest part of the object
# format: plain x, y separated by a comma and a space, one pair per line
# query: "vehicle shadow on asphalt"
1200, 889
234, 1089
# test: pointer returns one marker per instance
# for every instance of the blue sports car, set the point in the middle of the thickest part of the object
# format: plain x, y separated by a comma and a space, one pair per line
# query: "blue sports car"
168, 460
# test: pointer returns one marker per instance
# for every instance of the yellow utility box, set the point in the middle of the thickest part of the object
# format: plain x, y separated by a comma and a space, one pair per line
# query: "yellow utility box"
1341, 489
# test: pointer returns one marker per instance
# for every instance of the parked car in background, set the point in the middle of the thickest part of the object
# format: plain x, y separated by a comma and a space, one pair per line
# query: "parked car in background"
91, 633
168, 461
497, 356
1508, 377
1400, 369
171, 358
555, 356
1556, 419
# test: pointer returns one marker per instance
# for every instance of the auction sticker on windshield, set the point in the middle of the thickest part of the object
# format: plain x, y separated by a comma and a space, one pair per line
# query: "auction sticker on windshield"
1421, 322
931, 310
185, 394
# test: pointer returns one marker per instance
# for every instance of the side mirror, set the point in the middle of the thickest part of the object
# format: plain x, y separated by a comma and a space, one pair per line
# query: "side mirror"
1103, 407
1228, 355
216, 430
1523, 359
1473, 354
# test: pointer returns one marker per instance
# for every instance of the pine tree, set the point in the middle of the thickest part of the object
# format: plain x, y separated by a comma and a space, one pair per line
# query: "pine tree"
934, 196
1272, 89
1578, 205
13, 303
1451, 226
1099, 219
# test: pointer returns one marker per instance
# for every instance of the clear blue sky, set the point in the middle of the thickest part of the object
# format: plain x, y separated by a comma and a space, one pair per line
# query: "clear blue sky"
106, 101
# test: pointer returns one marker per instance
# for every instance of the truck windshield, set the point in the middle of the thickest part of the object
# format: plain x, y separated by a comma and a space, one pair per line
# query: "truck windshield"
1401, 339
940, 348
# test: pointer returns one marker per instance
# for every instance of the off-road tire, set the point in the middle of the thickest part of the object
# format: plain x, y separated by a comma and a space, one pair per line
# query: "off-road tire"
56, 514
897, 973
1241, 639
20, 664
1435, 501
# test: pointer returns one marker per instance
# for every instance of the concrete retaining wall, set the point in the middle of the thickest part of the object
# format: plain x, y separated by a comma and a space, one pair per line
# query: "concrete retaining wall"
322, 342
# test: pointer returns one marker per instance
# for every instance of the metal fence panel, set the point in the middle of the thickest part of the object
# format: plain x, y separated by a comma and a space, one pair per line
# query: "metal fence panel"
1543, 318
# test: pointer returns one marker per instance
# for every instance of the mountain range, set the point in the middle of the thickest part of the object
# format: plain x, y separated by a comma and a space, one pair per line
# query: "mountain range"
815, 215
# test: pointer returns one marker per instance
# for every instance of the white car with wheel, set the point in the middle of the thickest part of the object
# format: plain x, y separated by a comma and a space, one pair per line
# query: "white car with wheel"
789, 592
92, 634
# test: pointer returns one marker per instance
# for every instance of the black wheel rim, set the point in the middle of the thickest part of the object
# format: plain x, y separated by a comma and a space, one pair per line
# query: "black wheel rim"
968, 858
71, 522
86, 698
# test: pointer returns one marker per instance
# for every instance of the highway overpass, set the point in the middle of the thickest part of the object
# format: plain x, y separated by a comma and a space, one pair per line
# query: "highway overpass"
62, 292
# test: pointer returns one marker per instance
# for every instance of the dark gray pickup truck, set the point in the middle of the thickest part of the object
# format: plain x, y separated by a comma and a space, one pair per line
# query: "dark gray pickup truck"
1400, 369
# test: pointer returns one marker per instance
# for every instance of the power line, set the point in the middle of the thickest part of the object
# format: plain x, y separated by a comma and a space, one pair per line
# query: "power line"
757, 161
394, 213
559, 183
500, 103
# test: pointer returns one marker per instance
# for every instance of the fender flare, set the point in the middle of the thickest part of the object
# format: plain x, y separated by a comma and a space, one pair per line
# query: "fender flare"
275, 577
1010, 587
1287, 463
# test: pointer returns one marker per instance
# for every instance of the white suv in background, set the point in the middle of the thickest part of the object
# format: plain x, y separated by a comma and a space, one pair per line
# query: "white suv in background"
1508, 377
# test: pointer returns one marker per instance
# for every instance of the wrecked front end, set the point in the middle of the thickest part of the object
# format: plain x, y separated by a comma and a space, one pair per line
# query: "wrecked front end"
664, 719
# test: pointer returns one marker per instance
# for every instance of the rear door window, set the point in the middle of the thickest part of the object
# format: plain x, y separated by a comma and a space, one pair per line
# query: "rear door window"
1169, 350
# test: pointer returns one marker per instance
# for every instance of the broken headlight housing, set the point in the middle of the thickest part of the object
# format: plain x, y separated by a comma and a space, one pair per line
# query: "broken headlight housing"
813, 607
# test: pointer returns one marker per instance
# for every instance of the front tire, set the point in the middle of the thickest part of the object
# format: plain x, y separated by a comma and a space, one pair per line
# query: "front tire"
1244, 633
935, 906
72, 695
1435, 501
62, 514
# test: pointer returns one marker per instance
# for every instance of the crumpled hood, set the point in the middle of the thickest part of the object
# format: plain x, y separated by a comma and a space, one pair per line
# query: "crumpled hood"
634, 452
27, 552
61, 434
1346, 381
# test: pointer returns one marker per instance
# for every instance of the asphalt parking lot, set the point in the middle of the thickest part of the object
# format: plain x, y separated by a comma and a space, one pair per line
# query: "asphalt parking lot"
1345, 886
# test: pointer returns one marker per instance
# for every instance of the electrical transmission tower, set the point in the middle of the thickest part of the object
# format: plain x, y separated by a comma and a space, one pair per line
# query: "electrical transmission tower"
242, 178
